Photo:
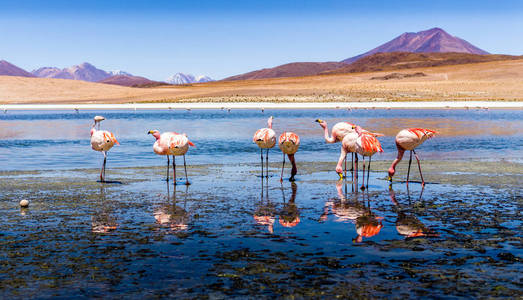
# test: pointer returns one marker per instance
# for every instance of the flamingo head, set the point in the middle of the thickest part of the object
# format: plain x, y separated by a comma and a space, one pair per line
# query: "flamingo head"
321, 122
358, 129
98, 119
391, 173
155, 133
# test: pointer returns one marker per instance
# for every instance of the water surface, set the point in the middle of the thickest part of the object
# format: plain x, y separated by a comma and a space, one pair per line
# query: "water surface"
232, 233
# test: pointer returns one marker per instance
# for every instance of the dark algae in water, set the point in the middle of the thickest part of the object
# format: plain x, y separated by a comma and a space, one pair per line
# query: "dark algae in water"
145, 238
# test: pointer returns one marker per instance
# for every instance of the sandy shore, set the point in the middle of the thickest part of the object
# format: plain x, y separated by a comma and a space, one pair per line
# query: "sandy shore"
249, 105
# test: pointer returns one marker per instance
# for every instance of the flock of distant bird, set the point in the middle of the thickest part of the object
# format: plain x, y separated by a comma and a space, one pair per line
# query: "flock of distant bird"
353, 138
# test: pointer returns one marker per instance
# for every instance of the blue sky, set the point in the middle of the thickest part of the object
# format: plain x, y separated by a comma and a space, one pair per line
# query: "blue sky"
156, 39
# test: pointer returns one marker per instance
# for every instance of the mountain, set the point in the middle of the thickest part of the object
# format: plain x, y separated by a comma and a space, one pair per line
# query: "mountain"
203, 78
290, 70
181, 78
119, 72
9, 69
432, 40
85, 71
408, 60
132, 81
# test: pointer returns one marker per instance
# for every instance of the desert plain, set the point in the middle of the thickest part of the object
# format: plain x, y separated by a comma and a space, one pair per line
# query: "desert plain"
489, 81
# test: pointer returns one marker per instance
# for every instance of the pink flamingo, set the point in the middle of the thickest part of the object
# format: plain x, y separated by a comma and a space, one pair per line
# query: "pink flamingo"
409, 139
338, 133
102, 141
172, 143
289, 142
265, 138
366, 145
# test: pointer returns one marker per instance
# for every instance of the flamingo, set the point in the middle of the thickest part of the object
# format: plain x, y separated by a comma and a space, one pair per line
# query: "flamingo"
102, 141
172, 143
289, 142
265, 138
409, 139
339, 131
366, 145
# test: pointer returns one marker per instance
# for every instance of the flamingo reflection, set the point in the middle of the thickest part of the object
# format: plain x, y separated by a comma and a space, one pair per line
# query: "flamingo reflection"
367, 223
172, 215
103, 220
290, 215
264, 214
407, 224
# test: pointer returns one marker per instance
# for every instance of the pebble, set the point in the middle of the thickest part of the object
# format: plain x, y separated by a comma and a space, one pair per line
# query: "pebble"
24, 203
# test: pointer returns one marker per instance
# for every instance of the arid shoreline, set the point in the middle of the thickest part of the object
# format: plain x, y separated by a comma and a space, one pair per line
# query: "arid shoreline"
272, 105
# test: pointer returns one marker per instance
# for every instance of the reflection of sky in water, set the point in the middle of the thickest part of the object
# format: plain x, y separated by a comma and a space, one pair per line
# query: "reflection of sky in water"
51, 140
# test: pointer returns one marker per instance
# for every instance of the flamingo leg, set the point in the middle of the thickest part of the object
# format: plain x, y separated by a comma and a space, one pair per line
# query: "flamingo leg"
352, 170
261, 158
345, 169
419, 167
355, 182
368, 171
408, 171
102, 171
283, 166
363, 183
105, 161
185, 168
267, 164
174, 170
167, 179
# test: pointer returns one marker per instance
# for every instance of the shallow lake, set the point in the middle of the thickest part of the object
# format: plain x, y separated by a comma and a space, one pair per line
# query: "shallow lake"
232, 233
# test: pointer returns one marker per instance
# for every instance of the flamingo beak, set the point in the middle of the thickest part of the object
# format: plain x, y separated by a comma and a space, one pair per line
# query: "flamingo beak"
318, 120
150, 132
341, 176
389, 179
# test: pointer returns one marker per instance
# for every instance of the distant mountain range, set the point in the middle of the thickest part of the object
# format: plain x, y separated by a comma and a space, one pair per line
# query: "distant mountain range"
431, 47
434, 40
84, 71
181, 78
88, 72
8, 69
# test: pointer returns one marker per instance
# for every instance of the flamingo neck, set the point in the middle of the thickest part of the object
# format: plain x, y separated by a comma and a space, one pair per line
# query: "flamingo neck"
293, 162
269, 123
392, 168
328, 139
156, 135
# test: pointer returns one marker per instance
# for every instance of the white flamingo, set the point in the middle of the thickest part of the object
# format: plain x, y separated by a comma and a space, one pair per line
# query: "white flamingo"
172, 143
289, 142
265, 138
102, 141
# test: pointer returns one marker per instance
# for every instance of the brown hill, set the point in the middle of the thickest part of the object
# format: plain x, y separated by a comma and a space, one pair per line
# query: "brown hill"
409, 60
131, 81
289, 70
8, 69
427, 41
